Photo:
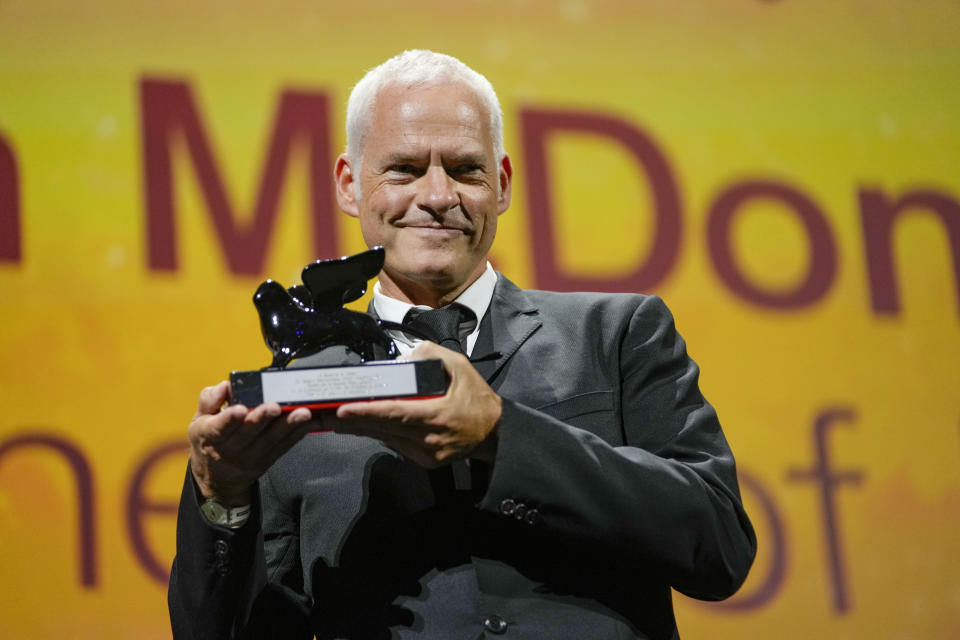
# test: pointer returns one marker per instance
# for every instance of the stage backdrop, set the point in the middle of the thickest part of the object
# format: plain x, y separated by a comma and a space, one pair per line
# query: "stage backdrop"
785, 174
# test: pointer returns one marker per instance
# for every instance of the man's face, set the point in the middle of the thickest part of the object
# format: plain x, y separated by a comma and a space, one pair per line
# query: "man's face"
429, 187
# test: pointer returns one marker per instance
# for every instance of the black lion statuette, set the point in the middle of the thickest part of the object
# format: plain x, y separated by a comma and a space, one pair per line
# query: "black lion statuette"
306, 319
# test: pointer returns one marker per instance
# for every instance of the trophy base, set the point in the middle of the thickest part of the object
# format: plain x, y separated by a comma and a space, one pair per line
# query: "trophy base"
328, 387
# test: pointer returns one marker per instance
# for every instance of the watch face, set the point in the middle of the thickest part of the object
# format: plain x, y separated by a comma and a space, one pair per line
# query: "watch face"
214, 512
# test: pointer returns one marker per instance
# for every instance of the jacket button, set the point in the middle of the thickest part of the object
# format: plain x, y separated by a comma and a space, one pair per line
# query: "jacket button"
221, 553
507, 507
520, 511
495, 624
532, 516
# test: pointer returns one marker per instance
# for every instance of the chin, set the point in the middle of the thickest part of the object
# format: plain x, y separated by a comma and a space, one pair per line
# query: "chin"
431, 264
432, 272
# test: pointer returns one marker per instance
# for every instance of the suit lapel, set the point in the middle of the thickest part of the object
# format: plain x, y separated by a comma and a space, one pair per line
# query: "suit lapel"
509, 321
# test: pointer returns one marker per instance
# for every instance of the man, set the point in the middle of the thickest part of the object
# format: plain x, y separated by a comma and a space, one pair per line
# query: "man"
568, 479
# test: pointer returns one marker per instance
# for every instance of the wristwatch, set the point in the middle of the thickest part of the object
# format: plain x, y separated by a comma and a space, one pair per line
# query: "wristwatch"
216, 513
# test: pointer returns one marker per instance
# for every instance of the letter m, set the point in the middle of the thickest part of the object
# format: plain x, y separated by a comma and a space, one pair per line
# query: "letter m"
167, 110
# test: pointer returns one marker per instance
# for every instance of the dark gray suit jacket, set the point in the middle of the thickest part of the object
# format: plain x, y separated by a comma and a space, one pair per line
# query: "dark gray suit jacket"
612, 483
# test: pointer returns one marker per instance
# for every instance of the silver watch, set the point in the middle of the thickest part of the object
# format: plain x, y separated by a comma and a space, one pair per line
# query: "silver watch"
216, 513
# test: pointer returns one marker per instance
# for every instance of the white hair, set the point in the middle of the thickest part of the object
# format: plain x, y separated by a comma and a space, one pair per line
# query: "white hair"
411, 70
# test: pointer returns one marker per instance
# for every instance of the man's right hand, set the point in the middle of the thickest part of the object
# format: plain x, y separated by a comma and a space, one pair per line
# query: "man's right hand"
231, 447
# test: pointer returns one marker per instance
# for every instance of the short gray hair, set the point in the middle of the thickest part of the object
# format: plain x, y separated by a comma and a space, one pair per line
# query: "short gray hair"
410, 70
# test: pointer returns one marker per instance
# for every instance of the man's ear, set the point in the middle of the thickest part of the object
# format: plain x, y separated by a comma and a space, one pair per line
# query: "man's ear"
505, 177
347, 187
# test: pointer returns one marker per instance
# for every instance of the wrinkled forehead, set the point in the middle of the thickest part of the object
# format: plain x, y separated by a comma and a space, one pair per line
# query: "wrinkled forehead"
447, 111
456, 118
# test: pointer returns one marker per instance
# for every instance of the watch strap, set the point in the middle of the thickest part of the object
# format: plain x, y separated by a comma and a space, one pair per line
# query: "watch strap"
218, 514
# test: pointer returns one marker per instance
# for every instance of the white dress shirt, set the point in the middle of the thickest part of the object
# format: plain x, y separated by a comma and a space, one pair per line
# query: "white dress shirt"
476, 297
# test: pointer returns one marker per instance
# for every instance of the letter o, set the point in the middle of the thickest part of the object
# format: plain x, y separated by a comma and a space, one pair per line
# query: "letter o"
823, 251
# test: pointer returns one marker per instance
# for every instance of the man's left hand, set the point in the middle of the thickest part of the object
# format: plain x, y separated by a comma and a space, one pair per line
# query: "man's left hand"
435, 431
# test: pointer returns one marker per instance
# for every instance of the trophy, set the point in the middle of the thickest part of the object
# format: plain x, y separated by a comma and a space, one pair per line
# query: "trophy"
307, 319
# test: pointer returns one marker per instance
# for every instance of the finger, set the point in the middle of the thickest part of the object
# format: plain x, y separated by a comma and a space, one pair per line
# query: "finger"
263, 414
253, 423
299, 415
422, 411
275, 429
252, 446
210, 435
212, 398
219, 425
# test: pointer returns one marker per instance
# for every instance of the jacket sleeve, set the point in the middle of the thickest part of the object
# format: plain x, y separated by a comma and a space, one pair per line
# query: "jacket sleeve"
667, 500
218, 582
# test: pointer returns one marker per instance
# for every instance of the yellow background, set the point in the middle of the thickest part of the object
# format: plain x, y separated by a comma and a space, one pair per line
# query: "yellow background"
830, 97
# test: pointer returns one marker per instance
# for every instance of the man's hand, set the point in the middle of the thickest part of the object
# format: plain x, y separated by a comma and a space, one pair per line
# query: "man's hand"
435, 431
231, 447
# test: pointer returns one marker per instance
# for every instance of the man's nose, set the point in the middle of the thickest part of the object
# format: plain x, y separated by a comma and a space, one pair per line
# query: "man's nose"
439, 193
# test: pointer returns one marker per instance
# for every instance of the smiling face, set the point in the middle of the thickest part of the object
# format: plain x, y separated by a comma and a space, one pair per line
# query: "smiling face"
429, 189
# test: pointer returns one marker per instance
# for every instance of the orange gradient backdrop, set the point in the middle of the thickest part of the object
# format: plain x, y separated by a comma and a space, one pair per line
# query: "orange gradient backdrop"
785, 174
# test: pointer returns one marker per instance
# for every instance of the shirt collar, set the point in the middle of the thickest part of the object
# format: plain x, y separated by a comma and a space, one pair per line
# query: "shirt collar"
476, 297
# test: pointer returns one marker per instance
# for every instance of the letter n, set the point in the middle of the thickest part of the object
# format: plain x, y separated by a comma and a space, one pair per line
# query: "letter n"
538, 125
9, 205
167, 109
82, 474
878, 213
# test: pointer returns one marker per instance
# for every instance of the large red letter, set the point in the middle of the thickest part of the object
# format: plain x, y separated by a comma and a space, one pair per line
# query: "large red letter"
878, 214
823, 251
537, 126
168, 108
9, 205
138, 504
829, 479
85, 499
